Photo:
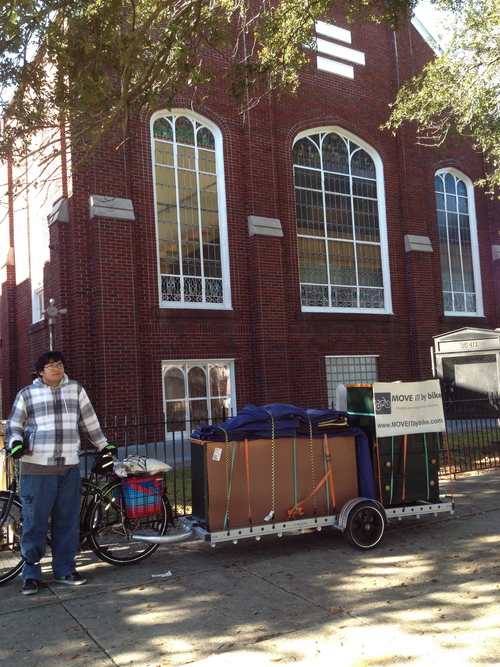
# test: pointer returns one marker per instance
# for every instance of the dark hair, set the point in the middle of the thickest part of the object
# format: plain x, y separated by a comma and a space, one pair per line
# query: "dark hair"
46, 358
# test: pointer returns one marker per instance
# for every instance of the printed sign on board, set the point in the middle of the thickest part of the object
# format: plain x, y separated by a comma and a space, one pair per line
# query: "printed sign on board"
408, 407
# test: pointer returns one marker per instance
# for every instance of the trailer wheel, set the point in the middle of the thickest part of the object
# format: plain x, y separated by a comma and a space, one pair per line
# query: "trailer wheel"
365, 525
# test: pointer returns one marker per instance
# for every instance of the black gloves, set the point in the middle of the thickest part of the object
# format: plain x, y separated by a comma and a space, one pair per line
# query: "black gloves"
103, 461
18, 449
112, 450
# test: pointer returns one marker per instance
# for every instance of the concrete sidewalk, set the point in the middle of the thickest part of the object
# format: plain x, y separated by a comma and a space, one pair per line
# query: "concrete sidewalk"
429, 594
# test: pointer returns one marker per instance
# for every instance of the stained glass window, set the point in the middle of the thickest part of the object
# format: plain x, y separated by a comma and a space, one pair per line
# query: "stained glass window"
197, 392
341, 234
192, 235
456, 245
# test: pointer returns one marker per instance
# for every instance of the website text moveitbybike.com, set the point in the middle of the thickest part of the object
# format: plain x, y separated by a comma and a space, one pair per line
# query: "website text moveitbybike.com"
410, 423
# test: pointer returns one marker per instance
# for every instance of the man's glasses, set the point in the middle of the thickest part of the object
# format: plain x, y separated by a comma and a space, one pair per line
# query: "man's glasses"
59, 367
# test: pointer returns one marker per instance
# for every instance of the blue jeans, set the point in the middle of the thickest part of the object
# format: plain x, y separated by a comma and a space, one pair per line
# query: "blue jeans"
56, 497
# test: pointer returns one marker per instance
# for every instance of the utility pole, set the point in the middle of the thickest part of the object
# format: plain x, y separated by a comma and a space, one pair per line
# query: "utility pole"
52, 312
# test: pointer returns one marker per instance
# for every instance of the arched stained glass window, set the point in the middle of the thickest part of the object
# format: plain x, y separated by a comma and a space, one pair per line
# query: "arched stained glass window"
197, 392
458, 244
190, 210
341, 228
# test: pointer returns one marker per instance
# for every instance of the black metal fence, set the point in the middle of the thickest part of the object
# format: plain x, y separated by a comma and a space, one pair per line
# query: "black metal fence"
472, 430
472, 422
162, 439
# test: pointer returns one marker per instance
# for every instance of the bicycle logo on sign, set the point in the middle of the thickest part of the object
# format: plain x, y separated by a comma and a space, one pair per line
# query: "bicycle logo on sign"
382, 404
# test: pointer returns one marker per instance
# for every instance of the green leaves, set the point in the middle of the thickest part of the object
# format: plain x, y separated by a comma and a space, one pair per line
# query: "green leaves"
458, 94
92, 65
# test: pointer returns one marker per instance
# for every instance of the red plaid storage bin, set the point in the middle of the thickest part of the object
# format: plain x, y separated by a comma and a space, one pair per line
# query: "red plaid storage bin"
142, 496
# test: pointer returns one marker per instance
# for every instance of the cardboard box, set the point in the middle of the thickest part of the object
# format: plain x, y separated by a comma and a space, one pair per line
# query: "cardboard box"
241, 483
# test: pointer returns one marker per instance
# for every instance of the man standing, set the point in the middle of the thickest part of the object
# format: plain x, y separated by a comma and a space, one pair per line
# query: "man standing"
43, 429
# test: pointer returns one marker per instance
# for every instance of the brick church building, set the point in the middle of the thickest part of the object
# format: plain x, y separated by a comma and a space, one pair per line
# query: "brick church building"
219, 259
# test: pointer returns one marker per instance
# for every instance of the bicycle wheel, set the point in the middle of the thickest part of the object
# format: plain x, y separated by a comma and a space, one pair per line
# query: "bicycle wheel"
109, 531
11, 561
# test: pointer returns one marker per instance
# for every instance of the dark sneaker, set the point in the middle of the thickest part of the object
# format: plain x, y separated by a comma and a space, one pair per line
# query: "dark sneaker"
73, 579
30, 587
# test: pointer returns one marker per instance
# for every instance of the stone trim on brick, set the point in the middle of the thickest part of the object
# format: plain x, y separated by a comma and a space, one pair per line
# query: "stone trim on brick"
60, 211
259, 226
418, 243
111, 207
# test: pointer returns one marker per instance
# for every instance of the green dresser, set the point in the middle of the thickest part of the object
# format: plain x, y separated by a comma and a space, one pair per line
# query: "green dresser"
405, 472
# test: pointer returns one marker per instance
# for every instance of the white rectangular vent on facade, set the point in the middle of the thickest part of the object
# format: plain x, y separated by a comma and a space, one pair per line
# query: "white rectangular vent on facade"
333, 31
327, 65
330, 50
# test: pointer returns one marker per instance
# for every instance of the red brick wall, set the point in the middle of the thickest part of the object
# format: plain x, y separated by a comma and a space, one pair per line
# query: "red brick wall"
105, 271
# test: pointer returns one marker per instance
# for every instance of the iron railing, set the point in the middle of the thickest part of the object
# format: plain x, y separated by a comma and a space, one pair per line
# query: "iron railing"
473, 434
472, 430
162, 439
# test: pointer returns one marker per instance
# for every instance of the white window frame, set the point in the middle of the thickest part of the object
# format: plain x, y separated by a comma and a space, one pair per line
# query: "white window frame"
222, 212
186, 364
382, 219
37, 303
476, 269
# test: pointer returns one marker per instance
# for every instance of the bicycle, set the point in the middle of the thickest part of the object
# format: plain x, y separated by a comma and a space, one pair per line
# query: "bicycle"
105, 528
11, 561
